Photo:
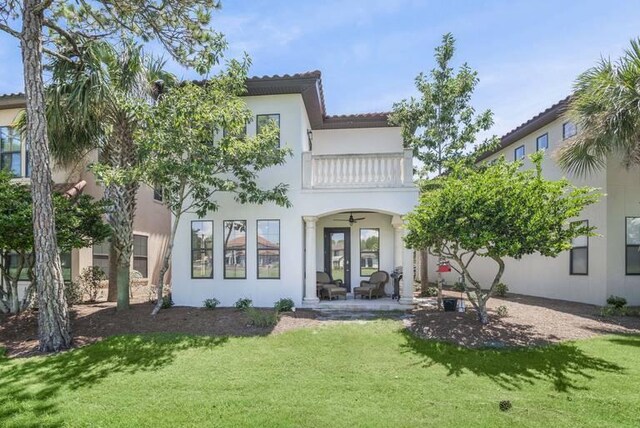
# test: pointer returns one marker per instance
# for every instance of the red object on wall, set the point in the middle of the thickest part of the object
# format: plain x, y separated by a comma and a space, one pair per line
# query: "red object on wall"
444, 268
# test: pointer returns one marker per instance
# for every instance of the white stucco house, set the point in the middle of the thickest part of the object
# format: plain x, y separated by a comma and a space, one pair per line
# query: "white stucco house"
342, 166
596, 267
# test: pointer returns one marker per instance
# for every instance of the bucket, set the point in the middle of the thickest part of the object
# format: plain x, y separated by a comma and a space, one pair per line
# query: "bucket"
449, 304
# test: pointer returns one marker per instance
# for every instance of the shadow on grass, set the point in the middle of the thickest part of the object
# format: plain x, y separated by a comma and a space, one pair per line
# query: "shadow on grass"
564, 364
28, 389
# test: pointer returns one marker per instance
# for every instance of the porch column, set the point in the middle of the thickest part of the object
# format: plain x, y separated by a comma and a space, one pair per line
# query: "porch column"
310, 297
403, 257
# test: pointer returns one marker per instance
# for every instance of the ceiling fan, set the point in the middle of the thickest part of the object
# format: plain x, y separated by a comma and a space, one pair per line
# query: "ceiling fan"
351, 220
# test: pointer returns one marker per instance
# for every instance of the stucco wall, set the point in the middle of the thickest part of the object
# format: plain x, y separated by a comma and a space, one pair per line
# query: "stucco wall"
348, 141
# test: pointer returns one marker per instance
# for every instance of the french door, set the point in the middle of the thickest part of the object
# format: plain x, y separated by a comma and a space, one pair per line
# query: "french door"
337, 254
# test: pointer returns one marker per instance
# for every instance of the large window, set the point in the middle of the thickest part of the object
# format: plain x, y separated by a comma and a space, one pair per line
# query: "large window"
369, 251
632, 255
157, 193
201, 249
141, 254
263, 120
579, 253
268, 237
10, 150
101, 256
12, 260
542, 142
518, 153
235, 249
569, 129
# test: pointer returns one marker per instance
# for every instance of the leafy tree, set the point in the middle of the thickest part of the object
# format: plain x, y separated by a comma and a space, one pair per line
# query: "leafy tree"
195, 148
604, 106
442, 125
91, 104
79, 225
59, 28
497, 211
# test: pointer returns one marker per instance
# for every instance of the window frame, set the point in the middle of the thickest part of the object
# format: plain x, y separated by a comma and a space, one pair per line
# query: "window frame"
101, 256
258, 248
627, 245
202, 250
224, 250
564, 134
158, 194
546, 134
377, 229
571, 272
145, 257
10, 135
269, 114
515, 153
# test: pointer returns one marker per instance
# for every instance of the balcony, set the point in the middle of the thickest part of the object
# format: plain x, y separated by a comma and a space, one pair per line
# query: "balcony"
362, 170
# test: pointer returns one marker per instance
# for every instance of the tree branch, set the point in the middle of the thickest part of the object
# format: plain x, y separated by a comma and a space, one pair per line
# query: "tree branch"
10, 31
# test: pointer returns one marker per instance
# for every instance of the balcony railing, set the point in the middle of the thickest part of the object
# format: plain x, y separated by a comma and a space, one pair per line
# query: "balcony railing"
357, 170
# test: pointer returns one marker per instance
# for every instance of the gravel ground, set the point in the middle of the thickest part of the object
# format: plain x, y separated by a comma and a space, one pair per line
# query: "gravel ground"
531, 321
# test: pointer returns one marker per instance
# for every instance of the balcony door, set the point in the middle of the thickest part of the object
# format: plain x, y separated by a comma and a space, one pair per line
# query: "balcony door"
337, 254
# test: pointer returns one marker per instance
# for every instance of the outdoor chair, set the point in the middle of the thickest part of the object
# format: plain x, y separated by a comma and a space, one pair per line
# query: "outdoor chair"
329, 287
373, 287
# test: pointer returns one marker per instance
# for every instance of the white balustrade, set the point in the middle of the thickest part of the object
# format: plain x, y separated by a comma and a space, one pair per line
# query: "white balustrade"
357, 170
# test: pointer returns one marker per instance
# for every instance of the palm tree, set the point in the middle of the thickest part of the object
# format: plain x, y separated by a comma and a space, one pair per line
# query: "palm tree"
92, 105
606, 108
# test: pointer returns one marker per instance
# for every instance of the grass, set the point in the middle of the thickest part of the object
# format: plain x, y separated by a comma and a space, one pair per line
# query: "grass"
371, 374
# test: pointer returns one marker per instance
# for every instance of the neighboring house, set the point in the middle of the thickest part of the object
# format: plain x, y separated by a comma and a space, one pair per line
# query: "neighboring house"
341, 166
596, 267
152, 221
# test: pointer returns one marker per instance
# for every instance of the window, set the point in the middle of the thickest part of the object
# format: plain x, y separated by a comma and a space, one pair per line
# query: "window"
542, 142
369, 251
101, 256
632, 256
201, 249
569, 129
157, 193
11, 260
579, 253
10, 150
263, 120
518, 153
235, 249
268, 236
140, 255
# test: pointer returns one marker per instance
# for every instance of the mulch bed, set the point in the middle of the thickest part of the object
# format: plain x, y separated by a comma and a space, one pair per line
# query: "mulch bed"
531, 321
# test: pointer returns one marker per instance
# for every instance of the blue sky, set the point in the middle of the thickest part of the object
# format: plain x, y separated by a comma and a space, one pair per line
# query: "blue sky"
369, 51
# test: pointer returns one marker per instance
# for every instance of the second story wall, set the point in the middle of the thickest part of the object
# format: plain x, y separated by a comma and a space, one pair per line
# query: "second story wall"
357, 140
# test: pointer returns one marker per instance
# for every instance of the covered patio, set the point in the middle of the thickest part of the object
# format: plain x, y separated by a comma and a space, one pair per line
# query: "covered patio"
350, 245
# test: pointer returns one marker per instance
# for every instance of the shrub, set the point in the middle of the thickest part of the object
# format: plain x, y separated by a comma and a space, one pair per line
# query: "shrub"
211, 303
284, 305
262, 318
432, 292
502, 311
90, 279
73, 293
243, 303
617, 302
505, 405
167, 302
501, 290
459, 287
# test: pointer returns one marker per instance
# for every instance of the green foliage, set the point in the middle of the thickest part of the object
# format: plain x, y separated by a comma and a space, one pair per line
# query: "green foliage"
604, 108
243, 303
431, 292
501, 289
502, 311
262, 318
497, 211
73, 293
505, 405
459, 286
211, 303
167, 302
442, 124
90, 279
617, 301
284, 305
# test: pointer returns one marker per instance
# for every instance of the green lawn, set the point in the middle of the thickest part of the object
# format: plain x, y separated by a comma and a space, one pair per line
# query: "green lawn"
348, 375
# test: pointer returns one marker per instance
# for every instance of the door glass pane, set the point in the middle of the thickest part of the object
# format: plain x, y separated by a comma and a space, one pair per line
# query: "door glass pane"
369, 251
579, 261
337, 255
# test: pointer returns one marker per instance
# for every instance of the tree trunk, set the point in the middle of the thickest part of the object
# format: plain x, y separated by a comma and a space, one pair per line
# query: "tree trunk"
54, 328
424, 273
483, 317
166, 261
112, 293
